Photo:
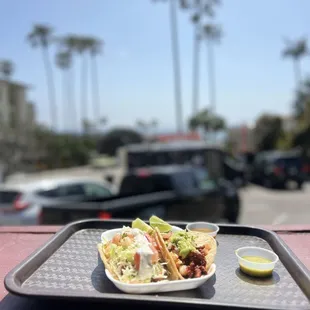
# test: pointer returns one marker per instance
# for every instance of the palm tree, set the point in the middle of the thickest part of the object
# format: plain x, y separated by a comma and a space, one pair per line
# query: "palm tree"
212, 34
95, 47
42, 36
82, 46
63, 61
200, 8
68, 45
296, 50
176, 63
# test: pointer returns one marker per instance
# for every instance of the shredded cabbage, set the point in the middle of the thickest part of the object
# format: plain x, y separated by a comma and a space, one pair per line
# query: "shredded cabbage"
122, 257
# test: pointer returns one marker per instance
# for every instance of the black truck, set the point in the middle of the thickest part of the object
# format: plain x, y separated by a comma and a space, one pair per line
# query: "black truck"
171, 192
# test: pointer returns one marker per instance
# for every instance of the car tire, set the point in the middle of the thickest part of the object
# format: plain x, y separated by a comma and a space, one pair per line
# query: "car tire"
300, 186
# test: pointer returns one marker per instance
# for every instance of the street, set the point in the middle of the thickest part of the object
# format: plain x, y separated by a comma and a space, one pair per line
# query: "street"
275, 207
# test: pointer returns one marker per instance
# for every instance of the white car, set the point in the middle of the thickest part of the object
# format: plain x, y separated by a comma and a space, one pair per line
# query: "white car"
20, 203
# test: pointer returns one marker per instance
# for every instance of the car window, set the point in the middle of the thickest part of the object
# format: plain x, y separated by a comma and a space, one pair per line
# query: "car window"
185, 181
96, 190
204, 180
51, 193
7, 197
71, 190
133, 184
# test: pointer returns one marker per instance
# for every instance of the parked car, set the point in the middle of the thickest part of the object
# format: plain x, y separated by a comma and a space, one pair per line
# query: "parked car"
235, 171
278, 169
20, 203
171, 192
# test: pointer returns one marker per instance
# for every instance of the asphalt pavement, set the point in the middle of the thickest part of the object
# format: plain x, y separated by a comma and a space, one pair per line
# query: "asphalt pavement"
274, 207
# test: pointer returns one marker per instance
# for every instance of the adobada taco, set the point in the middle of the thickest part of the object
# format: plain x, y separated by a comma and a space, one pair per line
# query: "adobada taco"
133, 256
189, 254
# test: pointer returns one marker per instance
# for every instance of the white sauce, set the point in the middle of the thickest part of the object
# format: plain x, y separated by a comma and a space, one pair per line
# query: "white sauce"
145, 252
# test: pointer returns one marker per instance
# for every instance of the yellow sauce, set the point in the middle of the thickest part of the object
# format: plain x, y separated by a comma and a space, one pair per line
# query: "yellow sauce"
256, 272
257, 259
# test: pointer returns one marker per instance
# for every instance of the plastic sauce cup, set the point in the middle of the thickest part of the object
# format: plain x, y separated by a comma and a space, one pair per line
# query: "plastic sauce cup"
256, 269
204, 227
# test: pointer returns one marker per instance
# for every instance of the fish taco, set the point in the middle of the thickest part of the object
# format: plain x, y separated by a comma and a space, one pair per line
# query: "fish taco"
134, 256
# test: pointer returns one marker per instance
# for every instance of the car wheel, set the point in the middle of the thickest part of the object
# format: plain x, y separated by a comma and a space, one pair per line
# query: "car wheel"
300, 185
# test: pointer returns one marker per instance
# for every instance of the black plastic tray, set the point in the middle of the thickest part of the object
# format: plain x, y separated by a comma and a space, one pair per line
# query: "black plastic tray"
68, 266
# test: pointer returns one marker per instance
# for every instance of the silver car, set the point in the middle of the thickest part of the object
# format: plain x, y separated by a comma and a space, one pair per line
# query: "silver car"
20, 204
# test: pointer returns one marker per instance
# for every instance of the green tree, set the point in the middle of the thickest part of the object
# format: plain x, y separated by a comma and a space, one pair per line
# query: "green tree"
301, 110
63, 61
173, 6
296, 50
207, 121
42, 36
267, 132
116, 138
63, 150
301, 103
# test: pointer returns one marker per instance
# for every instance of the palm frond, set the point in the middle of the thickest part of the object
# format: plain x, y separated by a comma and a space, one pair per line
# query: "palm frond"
63, 60
41, 34
295, 49
212, 32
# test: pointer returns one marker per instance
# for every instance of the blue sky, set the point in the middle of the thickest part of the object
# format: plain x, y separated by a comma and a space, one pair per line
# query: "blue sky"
136, 70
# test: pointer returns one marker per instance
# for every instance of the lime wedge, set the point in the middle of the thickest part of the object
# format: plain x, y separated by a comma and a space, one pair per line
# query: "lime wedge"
160, 224
138, 223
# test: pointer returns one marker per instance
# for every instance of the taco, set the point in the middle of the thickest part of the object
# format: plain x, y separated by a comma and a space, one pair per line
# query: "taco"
189, 254
134, 256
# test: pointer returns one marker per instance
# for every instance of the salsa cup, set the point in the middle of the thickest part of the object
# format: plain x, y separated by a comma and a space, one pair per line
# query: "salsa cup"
210, 228
256, 269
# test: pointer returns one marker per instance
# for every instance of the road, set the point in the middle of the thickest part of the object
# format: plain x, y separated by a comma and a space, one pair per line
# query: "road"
267, 206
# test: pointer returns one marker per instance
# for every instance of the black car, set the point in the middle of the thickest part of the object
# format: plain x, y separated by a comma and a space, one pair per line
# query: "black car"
171, 192
235, 171
202, 196
278, 169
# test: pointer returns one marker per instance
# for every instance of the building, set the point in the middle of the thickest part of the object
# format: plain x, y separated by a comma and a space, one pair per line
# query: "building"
192, 136
241, 139
17, 121
15, 110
